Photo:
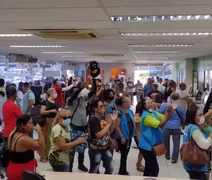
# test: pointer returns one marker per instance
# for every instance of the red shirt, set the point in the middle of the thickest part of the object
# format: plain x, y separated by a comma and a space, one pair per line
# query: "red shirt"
10, 112
59, 99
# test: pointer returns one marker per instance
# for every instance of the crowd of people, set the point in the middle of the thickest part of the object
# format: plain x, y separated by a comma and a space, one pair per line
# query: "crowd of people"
77, 116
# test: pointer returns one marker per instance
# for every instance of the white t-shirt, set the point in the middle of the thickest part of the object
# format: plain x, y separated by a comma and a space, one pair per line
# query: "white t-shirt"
130, 84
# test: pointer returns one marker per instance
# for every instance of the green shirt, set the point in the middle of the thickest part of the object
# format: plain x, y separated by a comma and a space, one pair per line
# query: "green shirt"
58, 157
151, 121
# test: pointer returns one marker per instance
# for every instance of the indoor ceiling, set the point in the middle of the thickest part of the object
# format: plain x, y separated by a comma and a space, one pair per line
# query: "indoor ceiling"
154, 40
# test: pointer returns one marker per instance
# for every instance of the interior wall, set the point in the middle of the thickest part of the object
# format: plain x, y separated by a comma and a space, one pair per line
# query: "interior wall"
201, 64
108, 66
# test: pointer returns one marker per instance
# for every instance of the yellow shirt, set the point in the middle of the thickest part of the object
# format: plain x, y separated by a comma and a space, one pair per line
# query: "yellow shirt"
151, 121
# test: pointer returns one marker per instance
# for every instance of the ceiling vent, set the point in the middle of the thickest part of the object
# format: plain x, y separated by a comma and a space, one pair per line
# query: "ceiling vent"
65, 33
109, 55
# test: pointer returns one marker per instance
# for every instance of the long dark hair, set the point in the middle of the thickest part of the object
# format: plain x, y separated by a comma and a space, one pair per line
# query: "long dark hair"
22, 120
141, 106
191, 114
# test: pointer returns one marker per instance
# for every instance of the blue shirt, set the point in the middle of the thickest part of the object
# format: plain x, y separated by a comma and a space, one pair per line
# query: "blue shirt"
175, 120
147, 89
27, 96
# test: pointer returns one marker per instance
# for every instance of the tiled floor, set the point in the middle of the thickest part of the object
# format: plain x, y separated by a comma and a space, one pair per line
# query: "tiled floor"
167, 169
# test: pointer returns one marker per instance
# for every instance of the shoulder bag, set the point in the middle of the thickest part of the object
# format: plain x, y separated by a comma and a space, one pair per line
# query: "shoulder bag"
191, 153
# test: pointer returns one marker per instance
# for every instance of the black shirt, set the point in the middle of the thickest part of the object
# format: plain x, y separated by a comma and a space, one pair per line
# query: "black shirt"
96, 124
129, 123
50, 106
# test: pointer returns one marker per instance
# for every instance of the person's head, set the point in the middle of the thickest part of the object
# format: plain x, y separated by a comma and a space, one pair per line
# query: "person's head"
125, 103
2, 82
110, 79
155, 87
182, 86
98, 82
52, 93
146, 104
157, 101
149, 81
26, 86
129, 79
160, 80
109, 95
194, 116
122, 79
24, 124
172, 84
56, 82
174, 96
121, 87
20, 86
64, 117
138, 82
107, 87
98, 107
11, 93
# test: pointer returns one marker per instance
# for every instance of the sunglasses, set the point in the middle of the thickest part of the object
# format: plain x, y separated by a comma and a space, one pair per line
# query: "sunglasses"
104, 105
69, 117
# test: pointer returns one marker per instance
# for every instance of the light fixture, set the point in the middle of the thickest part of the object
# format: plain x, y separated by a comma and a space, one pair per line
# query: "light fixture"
64, 52
16, 35
156, 52
160, 45
168, 34
154, 18
36, 46
78, 56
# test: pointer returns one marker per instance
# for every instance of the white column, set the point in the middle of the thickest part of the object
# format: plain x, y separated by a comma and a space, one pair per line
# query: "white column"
188, 72
174, 72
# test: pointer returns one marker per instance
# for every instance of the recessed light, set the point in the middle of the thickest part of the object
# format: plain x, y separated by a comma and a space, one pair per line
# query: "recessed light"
160, 45
64, 52
167, 34
160, 18
16, 35
156, 52
37, 46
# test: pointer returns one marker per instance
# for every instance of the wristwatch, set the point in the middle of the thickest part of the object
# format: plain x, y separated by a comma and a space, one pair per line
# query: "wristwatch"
122, 136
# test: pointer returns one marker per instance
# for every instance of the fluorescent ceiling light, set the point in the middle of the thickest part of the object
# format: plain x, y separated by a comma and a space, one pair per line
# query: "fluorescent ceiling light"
160, 45
78, 56
167, 34
16, 35
37, 46
157, 52
64, 52
160, 18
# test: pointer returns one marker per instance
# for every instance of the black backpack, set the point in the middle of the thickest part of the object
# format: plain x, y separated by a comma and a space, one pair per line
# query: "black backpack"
2, 94
37, 118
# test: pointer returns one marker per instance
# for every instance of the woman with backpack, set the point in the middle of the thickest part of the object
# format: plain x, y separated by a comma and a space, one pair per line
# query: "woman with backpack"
48, 109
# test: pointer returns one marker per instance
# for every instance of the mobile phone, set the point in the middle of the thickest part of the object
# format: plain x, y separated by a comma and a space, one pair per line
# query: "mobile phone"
35, 135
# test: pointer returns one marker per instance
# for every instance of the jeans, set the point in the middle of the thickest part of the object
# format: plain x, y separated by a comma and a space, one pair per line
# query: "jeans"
96, 156
131, 97
176, 134
151, 163
64, 168
197, 175
124, 150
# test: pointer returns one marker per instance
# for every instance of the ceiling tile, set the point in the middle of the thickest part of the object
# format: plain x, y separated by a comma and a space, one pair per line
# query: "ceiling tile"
159, 10
48, 4
67, 14
62, 25
124, 3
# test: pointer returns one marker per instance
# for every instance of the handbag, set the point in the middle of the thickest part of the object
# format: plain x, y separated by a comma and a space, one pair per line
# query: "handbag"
191, 153
159, 149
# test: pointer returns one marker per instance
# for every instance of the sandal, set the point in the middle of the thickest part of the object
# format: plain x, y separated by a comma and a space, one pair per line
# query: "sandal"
140, 168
